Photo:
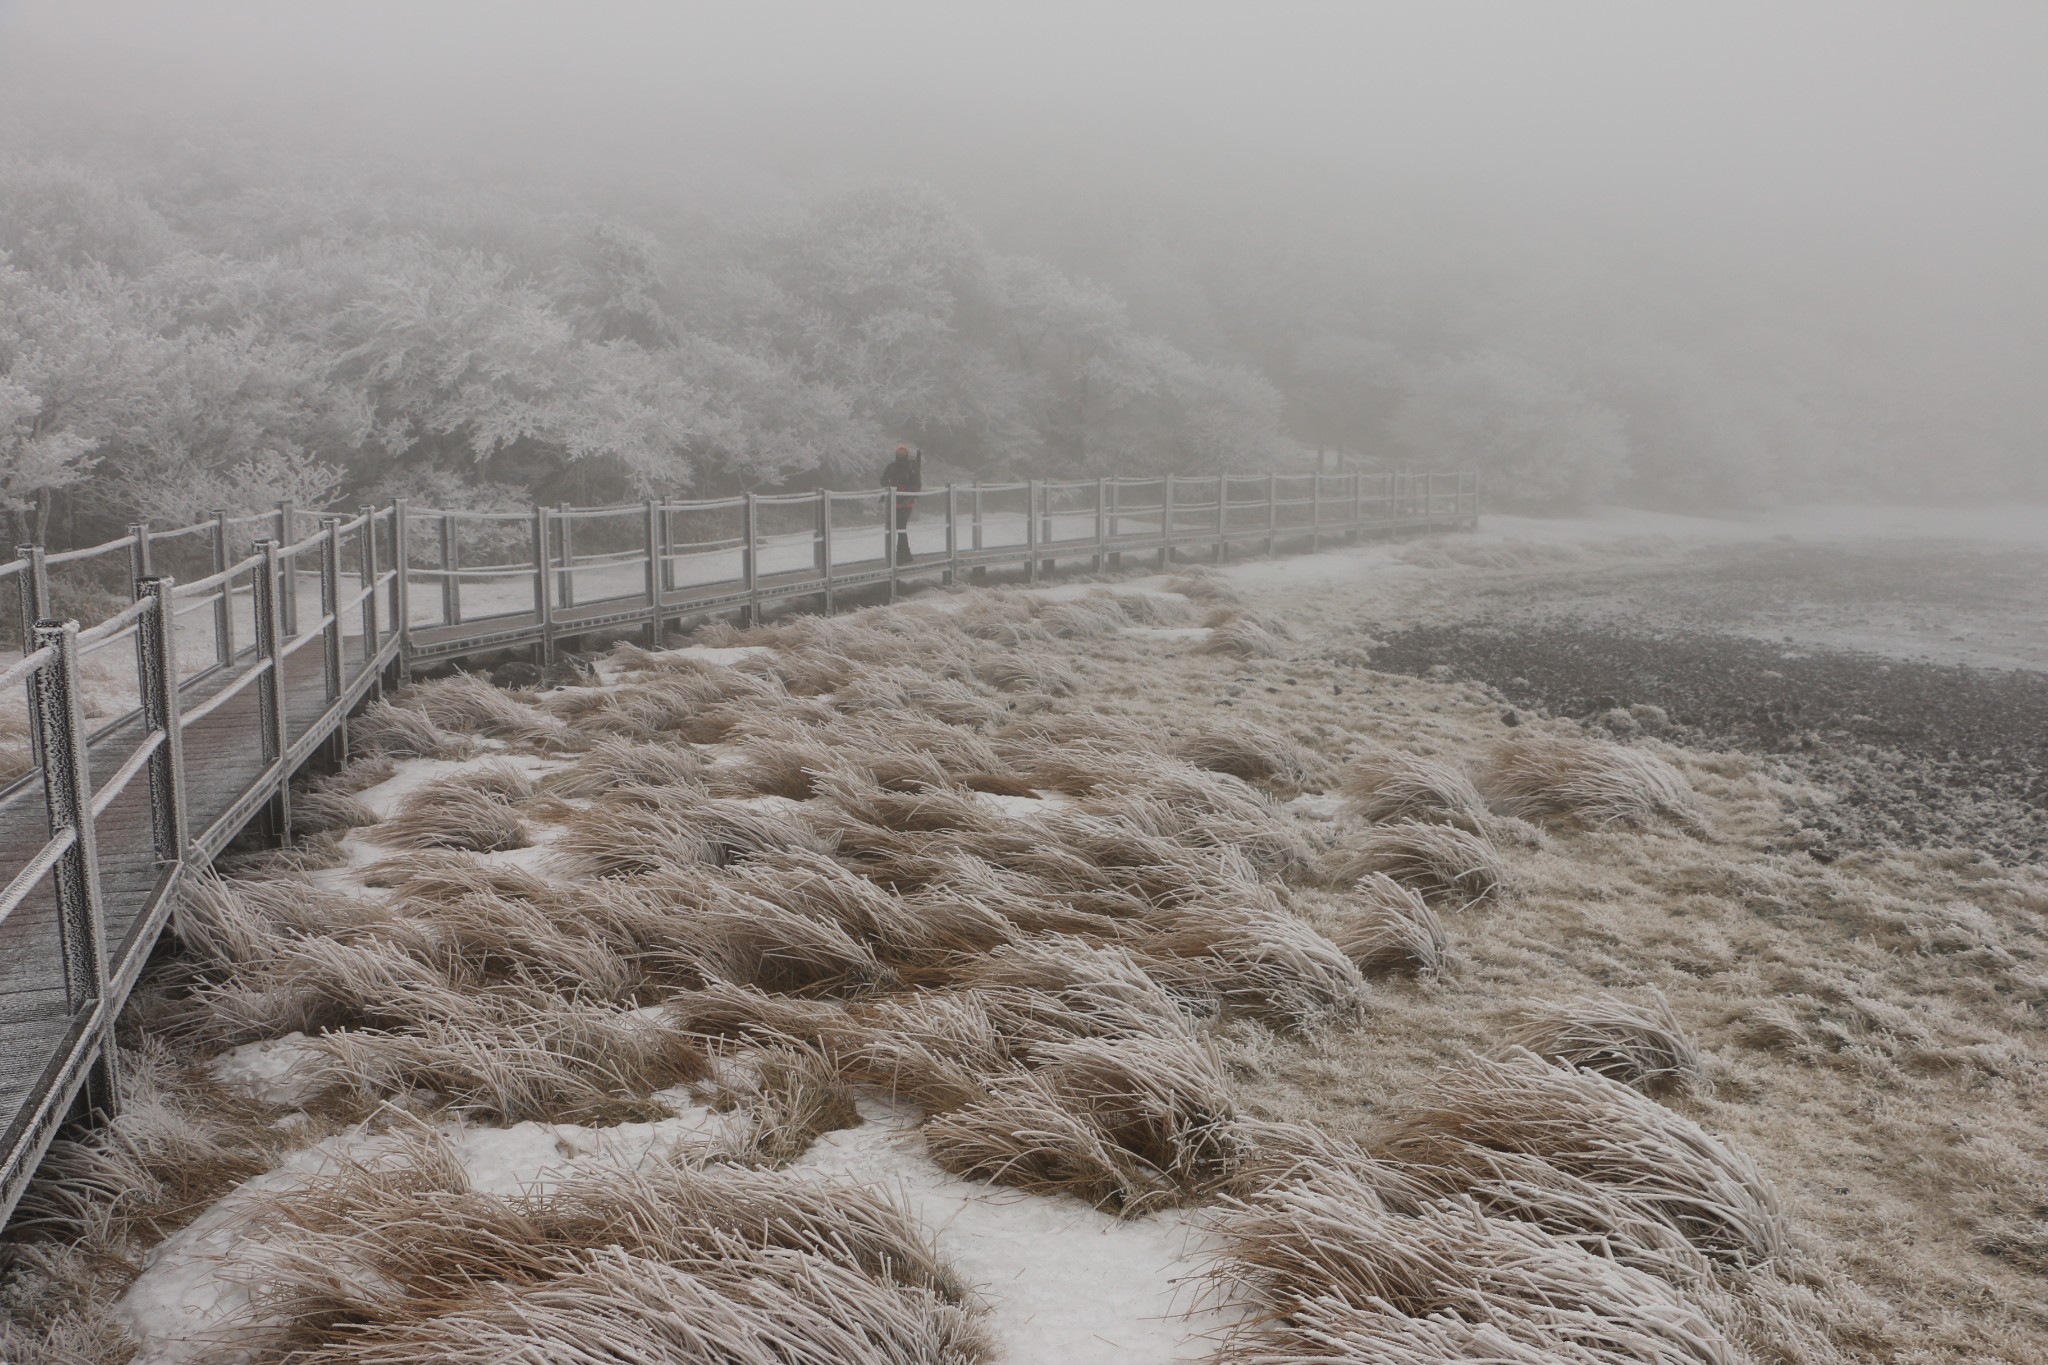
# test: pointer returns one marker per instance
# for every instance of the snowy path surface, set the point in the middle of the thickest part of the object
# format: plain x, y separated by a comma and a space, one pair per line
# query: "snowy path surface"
1065, 1284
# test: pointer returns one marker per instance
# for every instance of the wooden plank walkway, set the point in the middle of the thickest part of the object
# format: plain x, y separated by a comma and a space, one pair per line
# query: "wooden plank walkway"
224, 771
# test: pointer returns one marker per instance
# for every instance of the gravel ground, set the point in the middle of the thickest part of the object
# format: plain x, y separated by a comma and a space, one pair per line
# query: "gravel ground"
1734, 650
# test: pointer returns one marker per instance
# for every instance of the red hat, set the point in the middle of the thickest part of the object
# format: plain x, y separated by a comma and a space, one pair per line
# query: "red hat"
902, 450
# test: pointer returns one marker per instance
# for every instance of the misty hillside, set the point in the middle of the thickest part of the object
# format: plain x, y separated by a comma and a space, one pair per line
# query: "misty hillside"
207, 309
252, 260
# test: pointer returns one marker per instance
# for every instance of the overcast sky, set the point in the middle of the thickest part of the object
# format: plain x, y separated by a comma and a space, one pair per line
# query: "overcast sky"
1912, 131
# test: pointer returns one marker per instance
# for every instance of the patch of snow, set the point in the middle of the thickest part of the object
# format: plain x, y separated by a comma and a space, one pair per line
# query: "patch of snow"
1026, 806
198, 1278
1065, 1284
777, 804
266, 1070
1316, 806
1167, 632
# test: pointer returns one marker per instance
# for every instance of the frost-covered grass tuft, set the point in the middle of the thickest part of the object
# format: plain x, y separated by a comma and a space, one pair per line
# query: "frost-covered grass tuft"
1437, 861
1640, 1045
1391, 931
1254, 754
620, 762
403, 731
1590, 782
466, 704
1241, 636
471, 815
398, 1261
1589, 1128
1387, 785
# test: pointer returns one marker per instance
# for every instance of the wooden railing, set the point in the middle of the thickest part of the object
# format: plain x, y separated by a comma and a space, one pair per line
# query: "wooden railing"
92, 870
506, 580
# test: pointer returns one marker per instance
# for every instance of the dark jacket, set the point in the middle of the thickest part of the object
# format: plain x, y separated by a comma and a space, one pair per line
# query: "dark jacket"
903, 475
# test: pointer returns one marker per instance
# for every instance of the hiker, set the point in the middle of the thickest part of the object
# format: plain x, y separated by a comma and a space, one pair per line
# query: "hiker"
905, 475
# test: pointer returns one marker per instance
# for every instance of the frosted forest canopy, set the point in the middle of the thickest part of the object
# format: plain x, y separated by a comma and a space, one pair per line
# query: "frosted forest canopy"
192, 323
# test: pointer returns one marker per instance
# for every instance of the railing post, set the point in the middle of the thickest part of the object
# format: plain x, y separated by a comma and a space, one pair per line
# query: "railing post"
330, 603
1272, 512
138, 551
1046, 538
1222, 511
1031, 531
952, 574
1166, 522
825, 543
979, 572
652, 530
288, 592
1101, 525
750, 557
565, 576
224, 609
156, 663
34, 583
1357, 505
889, 537
67, 797
451, 577
401, 583
1116, 498
1315, 509
821, 519
543, 601
272, 724
366, 556
668, 548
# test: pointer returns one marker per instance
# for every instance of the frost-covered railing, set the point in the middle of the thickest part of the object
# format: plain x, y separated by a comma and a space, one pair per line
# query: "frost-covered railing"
197, 732
486, 581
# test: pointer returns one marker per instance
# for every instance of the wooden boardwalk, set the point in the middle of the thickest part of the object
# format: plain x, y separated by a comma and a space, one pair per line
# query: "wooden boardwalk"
44, 1047
185, 781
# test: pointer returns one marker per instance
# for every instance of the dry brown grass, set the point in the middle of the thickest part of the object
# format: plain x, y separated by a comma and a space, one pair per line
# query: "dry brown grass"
794, 1096
1642, 1045
1040, 674
1439, 862
1254, 753
1089, 618
1386, 785
1257, 961
472, 816
402, 731
1150, 608
1125, 1124
466, 704
1589, 782
509, 1060
398, 1261
1390, 930
622, 762
1242, 637
1341, 1275
1597, 1130
105, 1193
623, 835
1201, 586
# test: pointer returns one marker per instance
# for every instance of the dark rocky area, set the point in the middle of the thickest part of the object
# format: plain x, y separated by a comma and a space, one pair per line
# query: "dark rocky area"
1917, 752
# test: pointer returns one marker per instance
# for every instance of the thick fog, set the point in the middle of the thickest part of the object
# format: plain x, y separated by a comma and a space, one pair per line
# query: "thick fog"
1714, 255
